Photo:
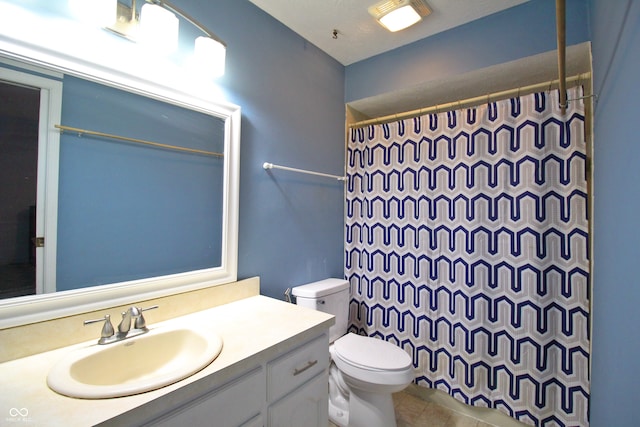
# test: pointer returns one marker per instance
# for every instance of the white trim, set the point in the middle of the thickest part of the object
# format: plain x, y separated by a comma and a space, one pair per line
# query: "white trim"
51, 101
23, 310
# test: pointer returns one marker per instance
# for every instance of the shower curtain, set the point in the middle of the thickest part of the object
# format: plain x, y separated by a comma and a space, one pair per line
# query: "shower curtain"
467, 245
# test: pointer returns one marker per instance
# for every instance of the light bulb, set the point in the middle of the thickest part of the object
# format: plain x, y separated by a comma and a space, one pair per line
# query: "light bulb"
159, 28
101, 13
209, 56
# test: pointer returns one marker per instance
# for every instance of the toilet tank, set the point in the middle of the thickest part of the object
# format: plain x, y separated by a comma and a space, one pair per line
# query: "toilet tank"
329, 296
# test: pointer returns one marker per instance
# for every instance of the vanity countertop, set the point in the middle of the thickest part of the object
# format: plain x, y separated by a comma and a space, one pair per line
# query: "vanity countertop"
248, 327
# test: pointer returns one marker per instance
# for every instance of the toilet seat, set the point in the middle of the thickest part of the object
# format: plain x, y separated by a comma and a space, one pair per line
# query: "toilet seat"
371, 354
371, 364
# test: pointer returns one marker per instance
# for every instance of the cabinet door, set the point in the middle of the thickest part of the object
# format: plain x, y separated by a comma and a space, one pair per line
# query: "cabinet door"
237, 403
306, 406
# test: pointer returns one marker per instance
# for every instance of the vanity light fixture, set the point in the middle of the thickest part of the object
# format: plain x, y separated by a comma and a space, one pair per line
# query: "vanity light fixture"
96, 12
158, 28
209, 55
396, 15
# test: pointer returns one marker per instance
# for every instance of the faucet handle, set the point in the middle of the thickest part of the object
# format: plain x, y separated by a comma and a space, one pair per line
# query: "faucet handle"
107, 328
125, 322
140, 323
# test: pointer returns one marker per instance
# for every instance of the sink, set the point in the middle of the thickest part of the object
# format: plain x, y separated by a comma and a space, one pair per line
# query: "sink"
162, 356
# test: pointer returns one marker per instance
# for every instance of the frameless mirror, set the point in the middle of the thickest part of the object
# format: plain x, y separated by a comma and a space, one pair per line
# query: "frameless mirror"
143, 187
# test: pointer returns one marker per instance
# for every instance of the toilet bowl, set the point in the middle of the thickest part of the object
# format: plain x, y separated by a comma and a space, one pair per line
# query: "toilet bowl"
364, 371
372, 370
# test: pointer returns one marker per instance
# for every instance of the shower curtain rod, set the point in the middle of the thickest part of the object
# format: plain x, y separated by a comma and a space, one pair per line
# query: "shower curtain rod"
469, 102
561, 31
81, 132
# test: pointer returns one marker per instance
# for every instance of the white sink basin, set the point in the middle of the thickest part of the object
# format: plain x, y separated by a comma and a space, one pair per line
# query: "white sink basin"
147, 362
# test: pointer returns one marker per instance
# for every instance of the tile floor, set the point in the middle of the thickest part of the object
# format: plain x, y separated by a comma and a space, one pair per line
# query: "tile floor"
421, 407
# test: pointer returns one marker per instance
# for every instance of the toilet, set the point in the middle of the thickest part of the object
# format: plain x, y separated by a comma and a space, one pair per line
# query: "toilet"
364, 371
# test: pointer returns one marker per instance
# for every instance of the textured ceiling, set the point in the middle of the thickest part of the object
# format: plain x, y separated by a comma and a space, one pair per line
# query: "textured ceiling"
359, 35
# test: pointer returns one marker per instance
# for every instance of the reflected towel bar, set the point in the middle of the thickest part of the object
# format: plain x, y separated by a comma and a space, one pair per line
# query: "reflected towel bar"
81, 132
267, 165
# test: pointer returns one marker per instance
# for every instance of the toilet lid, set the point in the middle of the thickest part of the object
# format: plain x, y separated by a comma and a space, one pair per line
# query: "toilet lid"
371, 353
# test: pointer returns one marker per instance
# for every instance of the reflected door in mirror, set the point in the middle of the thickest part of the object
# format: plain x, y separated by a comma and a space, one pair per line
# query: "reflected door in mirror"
19, 117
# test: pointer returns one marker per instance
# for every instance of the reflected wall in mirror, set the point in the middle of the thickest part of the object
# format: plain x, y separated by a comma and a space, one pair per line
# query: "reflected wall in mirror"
129, 210
131, 221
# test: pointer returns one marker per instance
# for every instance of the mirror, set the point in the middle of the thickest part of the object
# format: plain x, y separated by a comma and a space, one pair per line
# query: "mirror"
128, 209
119, 199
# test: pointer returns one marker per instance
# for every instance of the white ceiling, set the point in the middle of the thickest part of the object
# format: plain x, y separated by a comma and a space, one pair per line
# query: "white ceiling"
359, 35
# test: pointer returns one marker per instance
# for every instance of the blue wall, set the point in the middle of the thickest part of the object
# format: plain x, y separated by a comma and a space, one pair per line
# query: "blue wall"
292, 99
616, 294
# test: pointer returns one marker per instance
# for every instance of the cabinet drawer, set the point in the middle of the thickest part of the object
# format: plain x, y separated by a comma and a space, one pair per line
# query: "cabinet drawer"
231, 405
296, 367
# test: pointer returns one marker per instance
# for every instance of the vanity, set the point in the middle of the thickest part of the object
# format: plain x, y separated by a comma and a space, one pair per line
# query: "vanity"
272, 371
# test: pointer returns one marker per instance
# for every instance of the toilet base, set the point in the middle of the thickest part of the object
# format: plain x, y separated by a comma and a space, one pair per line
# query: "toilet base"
365, 410
337, 415
371, 409
356, 403
338, 398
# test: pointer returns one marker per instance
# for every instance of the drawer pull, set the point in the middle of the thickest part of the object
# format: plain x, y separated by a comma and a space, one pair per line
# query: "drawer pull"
309, 365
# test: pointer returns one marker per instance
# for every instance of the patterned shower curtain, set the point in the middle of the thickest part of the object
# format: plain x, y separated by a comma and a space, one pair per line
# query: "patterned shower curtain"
467, 245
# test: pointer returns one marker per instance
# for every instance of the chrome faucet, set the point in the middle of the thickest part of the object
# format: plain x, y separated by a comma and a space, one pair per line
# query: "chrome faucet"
125, 324
133, 314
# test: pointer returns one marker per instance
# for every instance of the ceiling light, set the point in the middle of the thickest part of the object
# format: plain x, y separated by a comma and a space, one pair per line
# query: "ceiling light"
396, 15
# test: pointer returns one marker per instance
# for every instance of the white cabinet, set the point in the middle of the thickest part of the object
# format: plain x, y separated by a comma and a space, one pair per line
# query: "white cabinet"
237, 403
288, 387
